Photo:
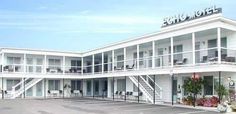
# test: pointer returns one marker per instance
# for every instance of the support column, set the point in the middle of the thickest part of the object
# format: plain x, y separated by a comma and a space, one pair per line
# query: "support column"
63, 83
113, 95
219, 44
82, 65
3, 54
93, 64
113, 60
172, 89
44, 87
64, 64
193, 47
125, 87
102, 63
172, 51
93, 87
153, 54
125, 59
138, 57
45, 64
24, 63
2, 89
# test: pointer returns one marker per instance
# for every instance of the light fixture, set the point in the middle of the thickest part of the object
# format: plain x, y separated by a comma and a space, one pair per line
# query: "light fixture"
229, 78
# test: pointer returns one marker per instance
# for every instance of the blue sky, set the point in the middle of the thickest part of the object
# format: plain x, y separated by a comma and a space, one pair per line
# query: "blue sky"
80, 25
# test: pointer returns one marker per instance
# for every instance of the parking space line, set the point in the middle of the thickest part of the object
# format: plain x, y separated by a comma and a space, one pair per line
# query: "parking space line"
147, 109
193, 112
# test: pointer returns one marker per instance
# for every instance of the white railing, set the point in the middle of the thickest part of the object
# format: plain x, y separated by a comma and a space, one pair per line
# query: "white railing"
143, 90
159, 89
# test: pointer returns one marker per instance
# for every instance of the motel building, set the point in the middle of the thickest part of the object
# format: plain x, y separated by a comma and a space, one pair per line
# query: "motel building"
150, 69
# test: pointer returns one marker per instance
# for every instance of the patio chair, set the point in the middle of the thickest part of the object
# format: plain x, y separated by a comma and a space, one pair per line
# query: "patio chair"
132, 67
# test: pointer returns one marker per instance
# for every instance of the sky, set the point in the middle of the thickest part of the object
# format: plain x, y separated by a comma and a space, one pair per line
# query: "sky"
81, 25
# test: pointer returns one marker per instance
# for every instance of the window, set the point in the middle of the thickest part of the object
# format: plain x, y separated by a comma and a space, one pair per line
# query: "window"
75, 84
121, 85
11, 83
54, 62
13, 60
208, 85
178, 49
53, 84
120, 62
75, 63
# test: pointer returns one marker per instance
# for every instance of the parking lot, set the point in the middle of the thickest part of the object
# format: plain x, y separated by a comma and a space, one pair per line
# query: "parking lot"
87, 106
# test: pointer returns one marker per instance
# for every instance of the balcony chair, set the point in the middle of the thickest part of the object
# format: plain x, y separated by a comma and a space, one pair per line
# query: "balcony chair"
49, 92
204, 59
48, 69
230, 59
59, 70
184, 61
132, 67
60, 92
121, 68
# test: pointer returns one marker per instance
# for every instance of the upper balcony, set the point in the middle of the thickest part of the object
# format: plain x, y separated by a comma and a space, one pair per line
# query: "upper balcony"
209, 47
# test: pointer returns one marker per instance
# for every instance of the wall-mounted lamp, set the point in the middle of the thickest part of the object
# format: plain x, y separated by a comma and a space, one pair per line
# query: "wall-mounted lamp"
229, 78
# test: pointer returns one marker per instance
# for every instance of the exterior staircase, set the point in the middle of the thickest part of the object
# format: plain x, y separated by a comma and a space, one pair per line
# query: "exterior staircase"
148, 90
19, 88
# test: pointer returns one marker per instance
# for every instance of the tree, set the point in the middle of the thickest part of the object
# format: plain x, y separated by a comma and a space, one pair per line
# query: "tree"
193, 87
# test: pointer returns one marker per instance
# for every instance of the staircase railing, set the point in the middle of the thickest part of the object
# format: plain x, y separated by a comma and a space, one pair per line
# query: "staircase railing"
156, 92
159, 89
30, 83
18, 85
145, 92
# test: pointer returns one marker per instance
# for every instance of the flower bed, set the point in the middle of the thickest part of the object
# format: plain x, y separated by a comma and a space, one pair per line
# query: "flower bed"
206, 102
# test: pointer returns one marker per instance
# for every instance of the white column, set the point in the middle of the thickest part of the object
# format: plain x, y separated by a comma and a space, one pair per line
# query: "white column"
153, 54
124, 58
3, 61
45, 64
93, 64
113, 60
138, 57
82, 65
219, 44
102, 62
193, 47
172, 51
24, 63
64, 64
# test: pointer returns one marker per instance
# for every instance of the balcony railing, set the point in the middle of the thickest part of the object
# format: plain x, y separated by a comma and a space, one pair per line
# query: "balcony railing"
13, 68
202, 57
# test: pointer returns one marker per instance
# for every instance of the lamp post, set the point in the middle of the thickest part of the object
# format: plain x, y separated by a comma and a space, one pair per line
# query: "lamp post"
172, 87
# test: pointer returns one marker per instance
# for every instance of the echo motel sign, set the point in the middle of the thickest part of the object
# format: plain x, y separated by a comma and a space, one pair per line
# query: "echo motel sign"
186, 17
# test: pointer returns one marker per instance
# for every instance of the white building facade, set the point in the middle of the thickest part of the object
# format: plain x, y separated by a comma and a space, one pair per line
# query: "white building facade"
151, 68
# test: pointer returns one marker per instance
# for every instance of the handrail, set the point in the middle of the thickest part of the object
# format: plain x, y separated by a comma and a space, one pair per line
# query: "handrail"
154, 82
142, 87
20, 83
150, 86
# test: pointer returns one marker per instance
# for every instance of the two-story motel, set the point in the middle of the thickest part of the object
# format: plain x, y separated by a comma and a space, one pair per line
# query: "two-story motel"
151, 68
